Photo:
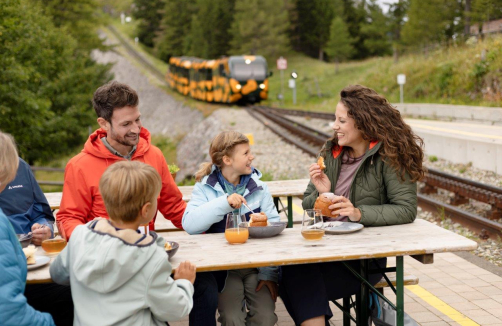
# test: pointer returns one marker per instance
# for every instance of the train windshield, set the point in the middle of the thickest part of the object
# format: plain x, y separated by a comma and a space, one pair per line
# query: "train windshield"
254, 70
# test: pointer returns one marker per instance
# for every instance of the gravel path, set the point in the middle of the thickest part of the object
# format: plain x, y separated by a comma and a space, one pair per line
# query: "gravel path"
273, 157
160, 113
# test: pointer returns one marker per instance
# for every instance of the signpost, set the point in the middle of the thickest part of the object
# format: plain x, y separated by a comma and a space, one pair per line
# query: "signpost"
292, 84
401, 80
282, 64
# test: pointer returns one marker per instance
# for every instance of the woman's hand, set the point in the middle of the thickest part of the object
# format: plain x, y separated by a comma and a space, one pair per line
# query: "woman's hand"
40, 233
345, 208
272, 287
236, 200
319, 178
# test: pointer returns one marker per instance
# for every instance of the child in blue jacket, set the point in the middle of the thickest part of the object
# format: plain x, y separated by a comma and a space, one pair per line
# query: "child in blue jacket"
222, 187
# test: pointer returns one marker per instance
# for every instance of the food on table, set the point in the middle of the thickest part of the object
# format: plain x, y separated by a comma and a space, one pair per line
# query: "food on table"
323, 202
258, 219
168, 246
29, 252
320, 162
53, 245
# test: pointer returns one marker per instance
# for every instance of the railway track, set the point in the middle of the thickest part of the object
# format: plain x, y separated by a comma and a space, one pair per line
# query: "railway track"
311, 141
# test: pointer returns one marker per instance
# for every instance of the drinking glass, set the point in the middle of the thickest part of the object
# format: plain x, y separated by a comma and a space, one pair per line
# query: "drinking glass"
312, 225
236, 229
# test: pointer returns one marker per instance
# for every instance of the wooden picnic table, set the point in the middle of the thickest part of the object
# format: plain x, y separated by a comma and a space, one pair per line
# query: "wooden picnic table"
278, 189
211, 252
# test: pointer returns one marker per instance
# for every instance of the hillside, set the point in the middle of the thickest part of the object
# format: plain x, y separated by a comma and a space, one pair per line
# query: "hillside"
469, 74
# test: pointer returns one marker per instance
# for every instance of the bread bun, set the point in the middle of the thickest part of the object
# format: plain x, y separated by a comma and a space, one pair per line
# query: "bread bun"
323, 202
258, 219
321, 164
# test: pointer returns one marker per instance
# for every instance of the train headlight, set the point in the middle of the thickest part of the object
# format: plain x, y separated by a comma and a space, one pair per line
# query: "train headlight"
238, 86
262, 86
247, 61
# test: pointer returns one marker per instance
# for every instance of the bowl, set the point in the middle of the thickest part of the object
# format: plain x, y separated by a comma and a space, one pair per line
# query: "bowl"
267, 231
171, 252
24, 239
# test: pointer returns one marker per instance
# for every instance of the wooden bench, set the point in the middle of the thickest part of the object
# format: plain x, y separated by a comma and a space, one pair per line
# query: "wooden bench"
408, 279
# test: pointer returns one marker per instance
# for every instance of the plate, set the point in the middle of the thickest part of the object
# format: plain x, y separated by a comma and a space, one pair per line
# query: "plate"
343, 227
40, 261
267, 231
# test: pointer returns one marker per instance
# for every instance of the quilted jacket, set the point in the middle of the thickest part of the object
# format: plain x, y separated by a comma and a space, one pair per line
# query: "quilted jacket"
14, 310
377, 190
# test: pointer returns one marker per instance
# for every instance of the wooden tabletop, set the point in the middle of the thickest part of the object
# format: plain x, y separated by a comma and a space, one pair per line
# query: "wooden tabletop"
210, 252
277, 189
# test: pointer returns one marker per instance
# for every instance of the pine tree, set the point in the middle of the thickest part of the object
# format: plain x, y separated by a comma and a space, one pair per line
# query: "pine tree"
339, 46
149, 13
259, 27
376, 30
397, 13
80, 18
46, 83
173, 28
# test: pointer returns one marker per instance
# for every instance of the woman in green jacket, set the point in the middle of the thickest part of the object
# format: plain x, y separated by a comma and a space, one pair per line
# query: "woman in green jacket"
373, 162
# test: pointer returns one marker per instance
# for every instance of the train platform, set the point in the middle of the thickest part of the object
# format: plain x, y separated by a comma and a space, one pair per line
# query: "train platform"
462, 142
451, 291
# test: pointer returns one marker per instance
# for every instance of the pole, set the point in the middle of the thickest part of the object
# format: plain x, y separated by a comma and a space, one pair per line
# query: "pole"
401, 93
282, 86
294, 95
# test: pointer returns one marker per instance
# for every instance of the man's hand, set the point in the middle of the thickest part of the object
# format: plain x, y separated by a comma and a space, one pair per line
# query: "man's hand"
40, 233
186, 270
272, 287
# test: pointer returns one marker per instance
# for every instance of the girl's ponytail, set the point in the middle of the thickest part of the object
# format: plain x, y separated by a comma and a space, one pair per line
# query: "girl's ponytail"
204, 169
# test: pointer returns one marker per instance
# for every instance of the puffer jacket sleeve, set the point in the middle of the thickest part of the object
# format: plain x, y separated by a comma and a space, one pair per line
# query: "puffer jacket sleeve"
170, 202
309, 196
201, 212
402, 202
169, 300
14, 309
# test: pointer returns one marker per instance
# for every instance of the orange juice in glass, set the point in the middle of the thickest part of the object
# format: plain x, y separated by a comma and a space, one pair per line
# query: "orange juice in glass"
236, 230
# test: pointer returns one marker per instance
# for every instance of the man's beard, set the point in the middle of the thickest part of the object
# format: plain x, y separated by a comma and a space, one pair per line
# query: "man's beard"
124, 140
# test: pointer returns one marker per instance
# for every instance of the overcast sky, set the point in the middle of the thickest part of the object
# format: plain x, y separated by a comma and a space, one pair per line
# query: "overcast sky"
382, 4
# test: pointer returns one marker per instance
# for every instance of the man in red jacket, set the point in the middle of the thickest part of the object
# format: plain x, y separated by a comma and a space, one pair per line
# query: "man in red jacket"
121, 137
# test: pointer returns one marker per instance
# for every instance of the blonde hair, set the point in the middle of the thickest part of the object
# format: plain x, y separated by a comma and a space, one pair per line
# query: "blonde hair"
222, 145
126, 187
9, 159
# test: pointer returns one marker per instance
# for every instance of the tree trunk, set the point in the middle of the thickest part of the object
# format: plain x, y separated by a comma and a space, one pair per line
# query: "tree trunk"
467, 15
395, 54
321, 54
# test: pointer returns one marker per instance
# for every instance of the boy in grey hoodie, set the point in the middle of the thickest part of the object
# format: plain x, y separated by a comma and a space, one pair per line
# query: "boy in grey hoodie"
117, 275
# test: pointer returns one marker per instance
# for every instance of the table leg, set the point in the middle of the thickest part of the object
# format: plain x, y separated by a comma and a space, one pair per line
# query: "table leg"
346, 305
400, 290
290, 211
276, 203
363, 317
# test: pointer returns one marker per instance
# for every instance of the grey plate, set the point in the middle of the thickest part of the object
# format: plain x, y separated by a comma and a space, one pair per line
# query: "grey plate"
40, 261
172, 252
267, 231
345, 227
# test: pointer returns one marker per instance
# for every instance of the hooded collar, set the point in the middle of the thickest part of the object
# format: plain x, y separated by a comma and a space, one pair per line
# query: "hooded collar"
251, 186
337, 150
95, 146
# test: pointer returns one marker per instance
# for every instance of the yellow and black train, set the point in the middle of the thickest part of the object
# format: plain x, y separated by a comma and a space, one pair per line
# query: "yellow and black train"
233, 79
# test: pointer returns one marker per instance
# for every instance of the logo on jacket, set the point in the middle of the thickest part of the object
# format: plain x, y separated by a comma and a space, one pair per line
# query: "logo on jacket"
14, 187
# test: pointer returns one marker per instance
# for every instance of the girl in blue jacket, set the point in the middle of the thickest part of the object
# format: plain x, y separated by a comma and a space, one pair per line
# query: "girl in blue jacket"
14, 309
222, 186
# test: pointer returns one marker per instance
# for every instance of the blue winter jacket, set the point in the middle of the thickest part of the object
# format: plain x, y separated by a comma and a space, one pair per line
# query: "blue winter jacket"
14, 310
24, 202
208, 206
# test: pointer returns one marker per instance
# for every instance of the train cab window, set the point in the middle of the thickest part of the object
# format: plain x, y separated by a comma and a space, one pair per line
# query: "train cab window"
221, 70
209, 74
243, 71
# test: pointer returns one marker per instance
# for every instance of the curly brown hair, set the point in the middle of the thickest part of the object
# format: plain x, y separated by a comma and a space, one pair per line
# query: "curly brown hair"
378, 120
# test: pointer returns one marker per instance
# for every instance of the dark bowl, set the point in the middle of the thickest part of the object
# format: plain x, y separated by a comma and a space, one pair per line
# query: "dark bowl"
26, 239
267, 231
172, 251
